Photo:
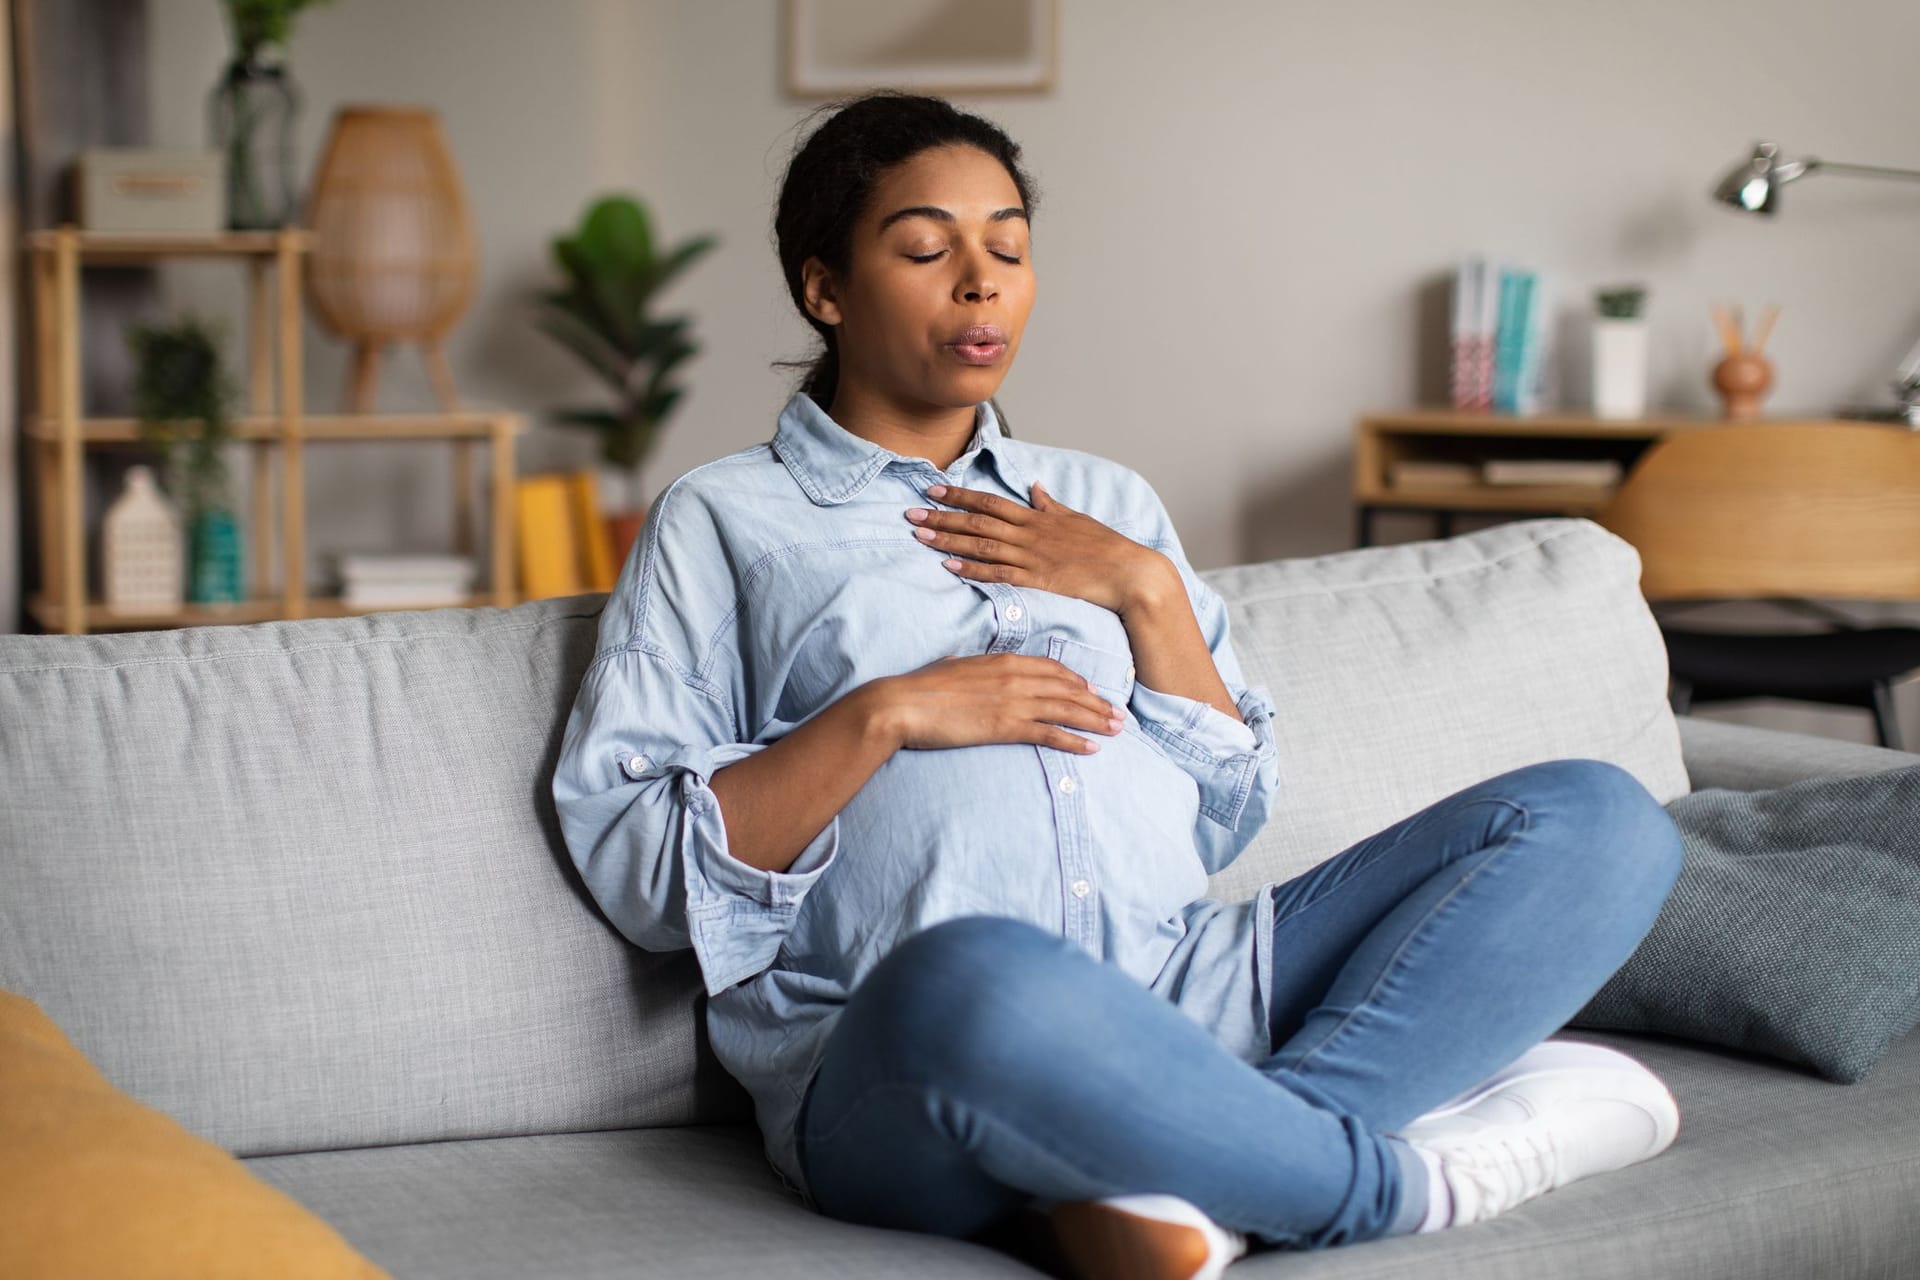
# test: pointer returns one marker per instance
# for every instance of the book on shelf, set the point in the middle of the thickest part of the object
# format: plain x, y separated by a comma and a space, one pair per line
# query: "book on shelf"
371, 580
1597, 473
362, 595
1427, 473
564, 546
597, 568
1501, 336
371, 567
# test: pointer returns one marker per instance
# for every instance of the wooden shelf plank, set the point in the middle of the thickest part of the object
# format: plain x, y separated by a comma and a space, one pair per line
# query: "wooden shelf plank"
476, 424
122, 247
1437, 421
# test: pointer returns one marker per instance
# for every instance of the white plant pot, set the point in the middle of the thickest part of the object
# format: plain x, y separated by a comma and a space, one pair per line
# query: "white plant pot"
619, 487
1619, 367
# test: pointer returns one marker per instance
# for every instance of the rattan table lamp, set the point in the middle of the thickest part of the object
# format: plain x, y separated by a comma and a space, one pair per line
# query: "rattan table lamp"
392, 256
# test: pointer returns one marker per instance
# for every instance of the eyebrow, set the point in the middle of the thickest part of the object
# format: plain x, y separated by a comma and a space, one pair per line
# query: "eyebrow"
943, 215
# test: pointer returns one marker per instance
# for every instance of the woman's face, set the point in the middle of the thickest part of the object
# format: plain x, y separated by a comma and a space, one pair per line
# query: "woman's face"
941, 247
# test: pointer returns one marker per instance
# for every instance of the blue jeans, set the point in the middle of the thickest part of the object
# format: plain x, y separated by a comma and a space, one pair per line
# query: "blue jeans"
985, 1063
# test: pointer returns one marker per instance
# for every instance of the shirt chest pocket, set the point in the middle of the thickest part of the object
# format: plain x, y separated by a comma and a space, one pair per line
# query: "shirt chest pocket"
1110, 672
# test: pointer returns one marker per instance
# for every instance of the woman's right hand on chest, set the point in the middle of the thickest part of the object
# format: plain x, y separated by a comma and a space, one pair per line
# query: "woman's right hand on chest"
964, 701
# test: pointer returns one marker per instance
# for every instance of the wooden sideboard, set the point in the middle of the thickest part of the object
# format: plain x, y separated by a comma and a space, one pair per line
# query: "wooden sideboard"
1464, 436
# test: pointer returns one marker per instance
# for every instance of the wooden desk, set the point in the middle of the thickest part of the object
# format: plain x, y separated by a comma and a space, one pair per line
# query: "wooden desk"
1453, 435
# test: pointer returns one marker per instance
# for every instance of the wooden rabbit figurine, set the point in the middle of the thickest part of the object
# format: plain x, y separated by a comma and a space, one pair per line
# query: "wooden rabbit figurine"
1744, 375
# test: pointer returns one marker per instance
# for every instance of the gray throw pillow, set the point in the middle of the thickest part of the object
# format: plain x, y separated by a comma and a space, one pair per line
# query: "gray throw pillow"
1793, 930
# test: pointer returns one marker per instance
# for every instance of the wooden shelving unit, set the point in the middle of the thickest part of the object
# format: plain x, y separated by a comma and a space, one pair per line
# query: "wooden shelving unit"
1455, 435
58, 434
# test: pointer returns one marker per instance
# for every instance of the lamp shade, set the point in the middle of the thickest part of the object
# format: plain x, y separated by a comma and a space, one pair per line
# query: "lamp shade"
392, 253
1754, 184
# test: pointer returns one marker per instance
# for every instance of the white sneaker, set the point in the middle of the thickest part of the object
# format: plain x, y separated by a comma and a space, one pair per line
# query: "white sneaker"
1562, 1111
1549, 1055
1144, 1236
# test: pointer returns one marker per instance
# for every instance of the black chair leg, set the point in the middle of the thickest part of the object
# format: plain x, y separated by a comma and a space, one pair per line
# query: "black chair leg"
1680, 694
1884, 716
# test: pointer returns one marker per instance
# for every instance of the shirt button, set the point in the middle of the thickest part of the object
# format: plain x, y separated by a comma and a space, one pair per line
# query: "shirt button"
1081, 888
637, 765
1129, 671
1067, 785
1013, 612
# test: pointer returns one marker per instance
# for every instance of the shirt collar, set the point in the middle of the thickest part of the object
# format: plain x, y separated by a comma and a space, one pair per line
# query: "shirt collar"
832, 464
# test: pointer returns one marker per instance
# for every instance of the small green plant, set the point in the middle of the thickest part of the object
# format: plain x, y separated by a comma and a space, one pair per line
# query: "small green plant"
182, 397
263, 22
1622, 302
604, 316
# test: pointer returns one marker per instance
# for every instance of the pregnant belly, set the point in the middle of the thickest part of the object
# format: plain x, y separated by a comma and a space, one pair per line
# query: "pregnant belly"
981, 829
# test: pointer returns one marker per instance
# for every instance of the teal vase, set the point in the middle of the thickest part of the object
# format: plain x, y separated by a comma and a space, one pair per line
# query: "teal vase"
214, 575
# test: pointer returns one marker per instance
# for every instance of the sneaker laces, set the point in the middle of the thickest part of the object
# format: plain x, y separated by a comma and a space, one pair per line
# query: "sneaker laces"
1496, 1173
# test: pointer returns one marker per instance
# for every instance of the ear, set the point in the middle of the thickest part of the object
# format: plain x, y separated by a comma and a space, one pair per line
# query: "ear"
817, 288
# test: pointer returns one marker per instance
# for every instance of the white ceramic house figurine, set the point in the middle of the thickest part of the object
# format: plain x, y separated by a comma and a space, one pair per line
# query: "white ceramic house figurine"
142, 547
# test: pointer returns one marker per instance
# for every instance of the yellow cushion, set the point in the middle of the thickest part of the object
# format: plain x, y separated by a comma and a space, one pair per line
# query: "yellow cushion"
93, 1183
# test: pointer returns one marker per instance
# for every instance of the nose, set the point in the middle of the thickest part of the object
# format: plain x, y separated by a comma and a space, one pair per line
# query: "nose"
976, 282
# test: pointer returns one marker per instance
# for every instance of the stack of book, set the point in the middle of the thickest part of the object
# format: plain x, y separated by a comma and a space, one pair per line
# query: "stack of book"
1501, 336
1435, 473
402, 581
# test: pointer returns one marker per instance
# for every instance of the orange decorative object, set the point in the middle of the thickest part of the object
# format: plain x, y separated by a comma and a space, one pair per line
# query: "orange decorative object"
392, 256
1744, 376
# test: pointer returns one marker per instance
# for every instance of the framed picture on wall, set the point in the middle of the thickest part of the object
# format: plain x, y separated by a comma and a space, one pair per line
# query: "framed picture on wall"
840, 47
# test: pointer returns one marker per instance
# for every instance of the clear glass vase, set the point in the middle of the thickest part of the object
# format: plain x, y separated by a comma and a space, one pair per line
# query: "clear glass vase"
252, 113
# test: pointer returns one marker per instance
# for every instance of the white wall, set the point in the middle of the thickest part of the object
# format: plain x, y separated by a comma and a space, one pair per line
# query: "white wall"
1241, 207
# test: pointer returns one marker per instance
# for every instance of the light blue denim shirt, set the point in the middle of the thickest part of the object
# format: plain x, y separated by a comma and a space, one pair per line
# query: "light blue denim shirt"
768, 584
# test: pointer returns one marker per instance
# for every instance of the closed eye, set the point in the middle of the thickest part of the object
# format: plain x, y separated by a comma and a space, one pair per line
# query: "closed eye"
931, 256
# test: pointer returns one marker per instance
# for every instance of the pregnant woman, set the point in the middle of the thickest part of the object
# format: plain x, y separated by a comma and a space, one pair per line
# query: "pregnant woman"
925, 740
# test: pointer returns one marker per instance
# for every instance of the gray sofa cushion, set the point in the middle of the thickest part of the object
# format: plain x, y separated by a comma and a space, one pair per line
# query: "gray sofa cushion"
299, 884
1404, 673
1775, 1175
1746, 758
1793, 930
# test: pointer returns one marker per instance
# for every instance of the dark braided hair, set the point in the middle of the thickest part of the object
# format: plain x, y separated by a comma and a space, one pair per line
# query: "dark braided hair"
831, 177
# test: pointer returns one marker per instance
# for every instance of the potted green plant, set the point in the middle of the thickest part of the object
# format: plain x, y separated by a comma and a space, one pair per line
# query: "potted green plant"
182, 397
604, 314
1620, 352
252, 113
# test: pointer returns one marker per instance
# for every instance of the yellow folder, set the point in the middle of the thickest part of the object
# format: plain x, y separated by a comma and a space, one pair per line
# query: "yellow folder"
549, 554
597, 569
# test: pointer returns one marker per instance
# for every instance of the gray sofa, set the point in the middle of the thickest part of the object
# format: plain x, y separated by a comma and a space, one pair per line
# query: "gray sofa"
300, 886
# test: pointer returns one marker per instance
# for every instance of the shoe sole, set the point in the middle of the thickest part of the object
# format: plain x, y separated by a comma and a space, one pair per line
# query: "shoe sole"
1100, 1242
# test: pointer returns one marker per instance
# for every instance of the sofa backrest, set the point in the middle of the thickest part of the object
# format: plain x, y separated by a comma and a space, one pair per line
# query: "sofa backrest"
1403, 673
300, 885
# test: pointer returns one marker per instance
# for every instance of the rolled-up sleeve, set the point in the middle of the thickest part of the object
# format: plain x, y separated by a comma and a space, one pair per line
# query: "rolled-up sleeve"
659, 710
1234, 762
645, 830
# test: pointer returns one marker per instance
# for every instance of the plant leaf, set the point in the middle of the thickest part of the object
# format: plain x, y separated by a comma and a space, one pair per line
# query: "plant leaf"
616, 236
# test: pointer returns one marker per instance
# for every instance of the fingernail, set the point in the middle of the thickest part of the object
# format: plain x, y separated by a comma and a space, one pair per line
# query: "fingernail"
925, 535
1116, 724
1092, 744
936, 491
916, 514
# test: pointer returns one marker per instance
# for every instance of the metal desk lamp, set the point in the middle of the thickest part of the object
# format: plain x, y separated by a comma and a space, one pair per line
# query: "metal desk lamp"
1753, 186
